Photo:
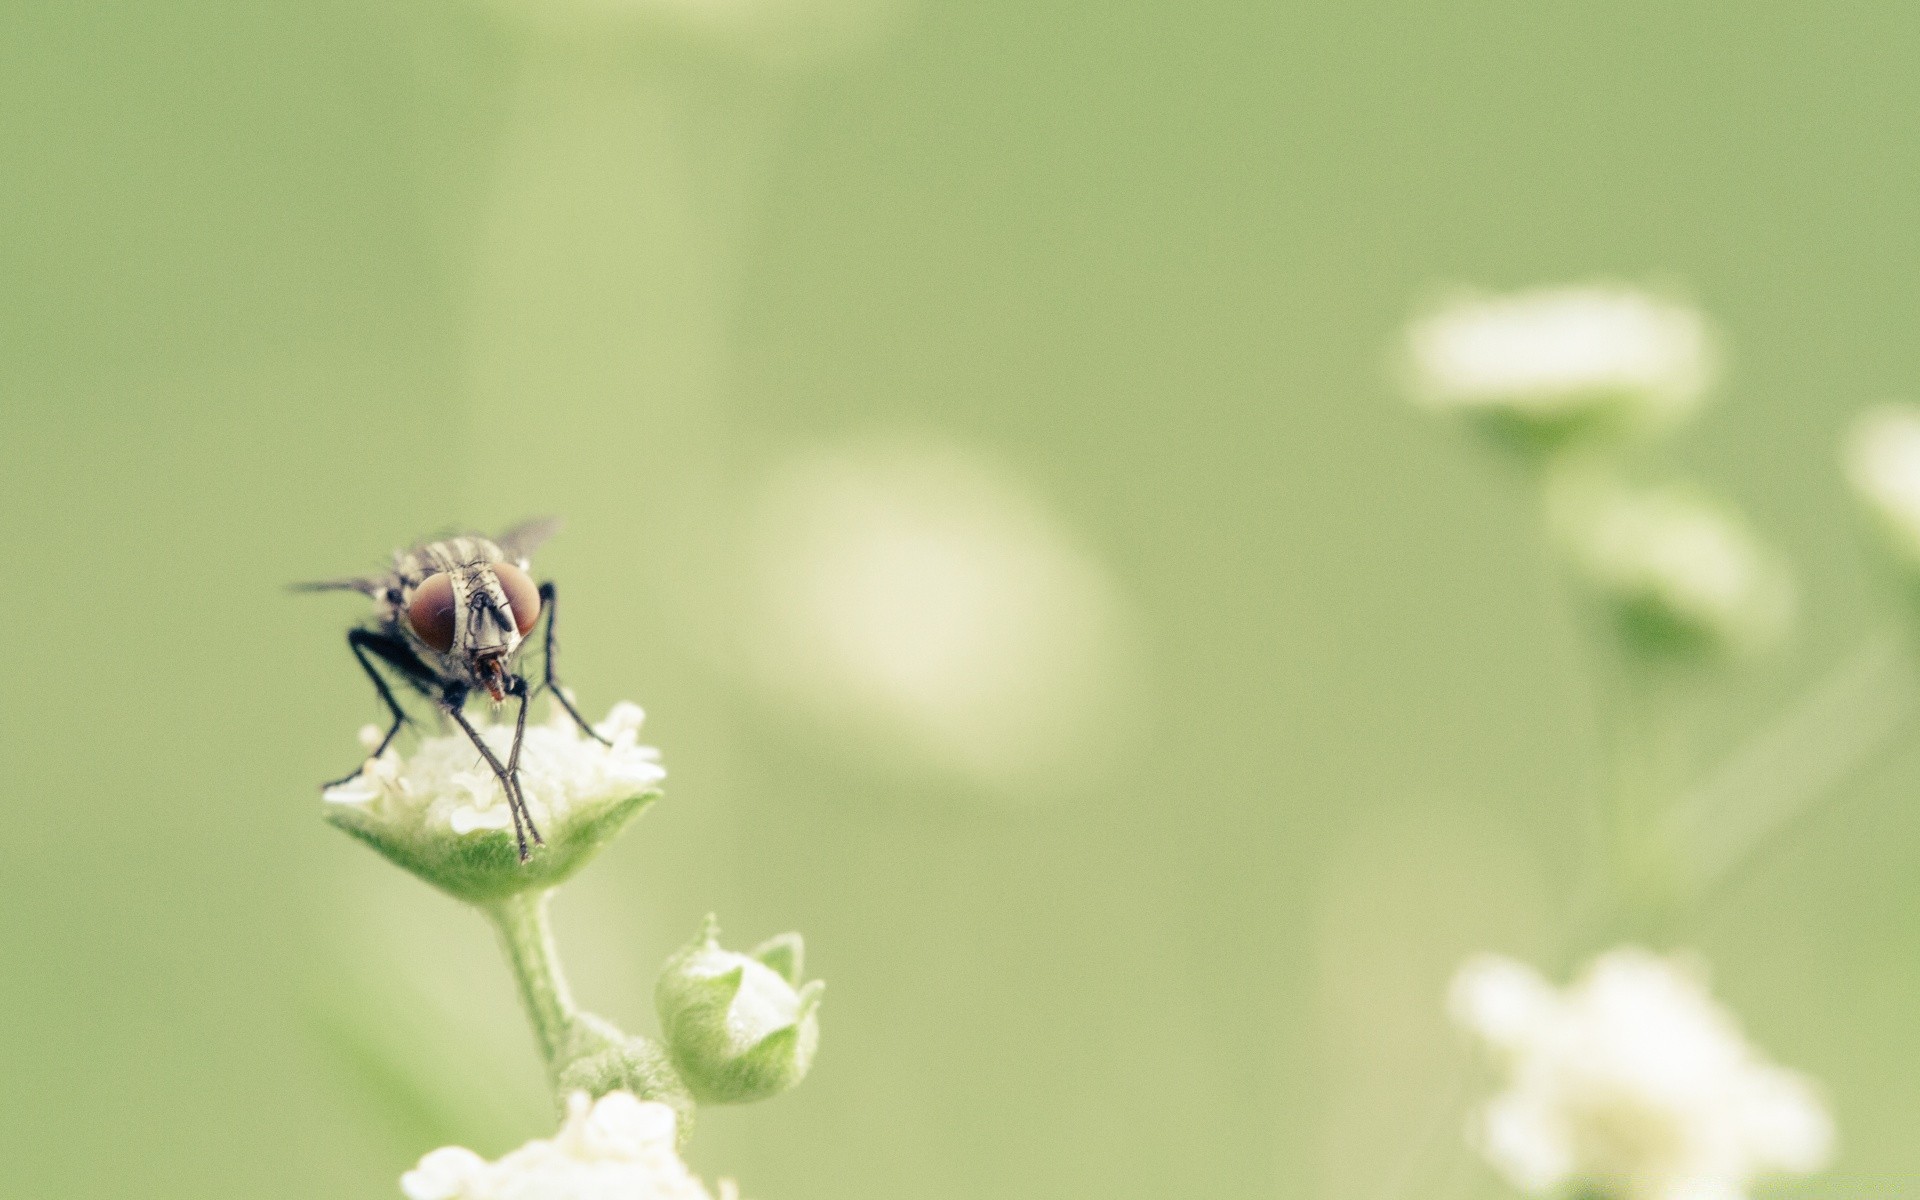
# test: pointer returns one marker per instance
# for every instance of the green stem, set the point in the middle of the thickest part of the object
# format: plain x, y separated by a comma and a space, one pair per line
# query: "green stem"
1639, 702
583, 1052
526, 934
1836, 735
1650, 767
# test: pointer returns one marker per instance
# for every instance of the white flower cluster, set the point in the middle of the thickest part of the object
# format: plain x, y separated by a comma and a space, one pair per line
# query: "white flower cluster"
445, 786
1883, 464
1632, 1082
1672, 555
615, 1148
1559, 355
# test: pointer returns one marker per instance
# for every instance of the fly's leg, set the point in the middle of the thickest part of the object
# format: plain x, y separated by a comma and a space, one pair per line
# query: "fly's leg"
549, 682
360, 641
516, 686
507, 781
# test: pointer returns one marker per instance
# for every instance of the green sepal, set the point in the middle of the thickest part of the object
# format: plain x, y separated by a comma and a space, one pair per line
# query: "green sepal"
1602, 420
485, 865
784, 953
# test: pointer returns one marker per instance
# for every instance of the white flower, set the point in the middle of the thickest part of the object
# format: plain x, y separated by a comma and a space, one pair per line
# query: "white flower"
1632, 1082
1883, 465
1674, 562
440, 812
1559, 356
445, 784
615, 1148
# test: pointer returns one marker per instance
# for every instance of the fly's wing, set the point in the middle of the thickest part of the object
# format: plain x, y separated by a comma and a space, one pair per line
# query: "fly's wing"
519, 543
362, 584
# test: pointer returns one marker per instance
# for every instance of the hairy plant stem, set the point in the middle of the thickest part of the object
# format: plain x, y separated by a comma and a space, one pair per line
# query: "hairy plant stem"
526, 935
583, 1052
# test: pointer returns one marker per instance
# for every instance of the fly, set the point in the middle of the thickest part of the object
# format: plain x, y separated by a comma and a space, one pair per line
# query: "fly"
449, 620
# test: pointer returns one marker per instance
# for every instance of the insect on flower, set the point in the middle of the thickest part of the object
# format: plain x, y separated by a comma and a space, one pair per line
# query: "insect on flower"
450, 619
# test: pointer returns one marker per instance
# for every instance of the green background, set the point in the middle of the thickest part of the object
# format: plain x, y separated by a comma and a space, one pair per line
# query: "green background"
283, 286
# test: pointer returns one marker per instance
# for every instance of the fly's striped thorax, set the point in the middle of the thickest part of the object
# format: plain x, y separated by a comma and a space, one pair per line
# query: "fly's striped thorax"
413, 567
449, 555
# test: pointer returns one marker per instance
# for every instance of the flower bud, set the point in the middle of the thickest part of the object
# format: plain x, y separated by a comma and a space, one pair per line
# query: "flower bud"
1680, 572
440, 813
738, 1026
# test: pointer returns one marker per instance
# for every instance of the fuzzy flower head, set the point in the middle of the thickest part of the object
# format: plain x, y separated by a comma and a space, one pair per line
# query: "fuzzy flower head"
1632, 1083
1679, 570
613, 1148
1552, 364
440, 812
1883, 465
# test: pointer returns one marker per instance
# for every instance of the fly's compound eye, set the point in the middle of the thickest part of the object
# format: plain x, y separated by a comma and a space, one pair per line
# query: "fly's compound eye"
522, 595
430, 612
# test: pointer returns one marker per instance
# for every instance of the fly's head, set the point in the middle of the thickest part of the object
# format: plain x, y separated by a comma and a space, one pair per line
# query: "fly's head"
474, 618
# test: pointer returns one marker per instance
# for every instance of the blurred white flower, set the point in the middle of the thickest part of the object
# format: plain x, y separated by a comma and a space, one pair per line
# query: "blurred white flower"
1633, 1083
1556, 358
1675, 564
1883, 465
614, 1148
439, 811
910, 592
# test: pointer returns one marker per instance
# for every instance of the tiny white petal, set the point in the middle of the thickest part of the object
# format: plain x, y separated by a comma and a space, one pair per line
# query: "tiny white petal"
1506, 1003
624, 718
1785, 1123
466, 819
1521, 1138
353, 792
622, 1124
446, 1174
